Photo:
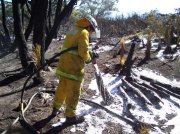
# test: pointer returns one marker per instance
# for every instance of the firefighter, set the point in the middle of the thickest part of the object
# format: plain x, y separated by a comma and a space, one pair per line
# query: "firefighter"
70, 68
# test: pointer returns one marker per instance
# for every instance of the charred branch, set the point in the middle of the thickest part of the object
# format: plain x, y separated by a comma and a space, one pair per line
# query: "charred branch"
128, 103
159, 92
152, 96
94, 104
65, 13
146, 78
168, 87
165, 90
107, 98
136, 91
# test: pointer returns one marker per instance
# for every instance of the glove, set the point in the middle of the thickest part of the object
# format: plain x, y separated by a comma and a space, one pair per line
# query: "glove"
93, 55
93, 61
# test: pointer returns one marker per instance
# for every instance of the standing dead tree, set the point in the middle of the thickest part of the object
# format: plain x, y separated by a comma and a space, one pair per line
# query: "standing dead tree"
168, 37
42, 34
126, 69
60, 15
40, 19
20, 40
7, 36
148, 49
147, 57
39, 30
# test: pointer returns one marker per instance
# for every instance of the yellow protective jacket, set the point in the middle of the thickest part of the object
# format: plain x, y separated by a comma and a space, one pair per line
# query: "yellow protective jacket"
71, 64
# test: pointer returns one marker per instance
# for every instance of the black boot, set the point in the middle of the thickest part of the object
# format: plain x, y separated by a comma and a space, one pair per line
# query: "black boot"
75, 119
56, 112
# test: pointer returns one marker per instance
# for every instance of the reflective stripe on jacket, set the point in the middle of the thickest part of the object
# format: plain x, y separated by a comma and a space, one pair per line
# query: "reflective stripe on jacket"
70, 76
71, 64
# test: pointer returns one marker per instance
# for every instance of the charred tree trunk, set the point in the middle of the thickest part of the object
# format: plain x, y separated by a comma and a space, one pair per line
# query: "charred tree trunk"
7, 36
58, 11
22, 16
65, 13
167, 36
2, 41
148, 49
25, 58
39, 31
28, 8
126, 69
30, 24
49, 14
29, 28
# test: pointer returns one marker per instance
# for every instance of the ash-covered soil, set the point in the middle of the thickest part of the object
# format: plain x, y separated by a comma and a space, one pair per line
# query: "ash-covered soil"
11, 83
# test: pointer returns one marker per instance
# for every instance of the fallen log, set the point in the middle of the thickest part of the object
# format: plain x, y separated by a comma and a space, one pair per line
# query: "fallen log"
107, 98
125, 95
176, 89
135, 123
146, 78
167, 86
148, 89
127, 112
128, 103
165, 90
159, 92
136, 91
152, 96
94, 104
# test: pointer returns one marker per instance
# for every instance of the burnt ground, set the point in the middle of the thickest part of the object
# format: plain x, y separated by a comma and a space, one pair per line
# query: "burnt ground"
12, 80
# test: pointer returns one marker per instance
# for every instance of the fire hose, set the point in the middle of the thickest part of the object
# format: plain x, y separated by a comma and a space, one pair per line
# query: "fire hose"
23, 107
21, 117
23, 121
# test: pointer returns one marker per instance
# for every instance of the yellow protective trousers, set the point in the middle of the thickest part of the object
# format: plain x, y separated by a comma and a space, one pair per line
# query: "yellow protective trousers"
68, 91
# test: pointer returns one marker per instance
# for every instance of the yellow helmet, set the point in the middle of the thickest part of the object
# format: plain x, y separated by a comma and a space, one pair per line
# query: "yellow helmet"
93, 22
87, 21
